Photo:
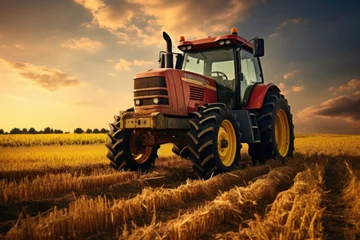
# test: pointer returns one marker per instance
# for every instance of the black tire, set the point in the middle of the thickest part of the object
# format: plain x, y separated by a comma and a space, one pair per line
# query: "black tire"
119, 150
202, 149
266, 117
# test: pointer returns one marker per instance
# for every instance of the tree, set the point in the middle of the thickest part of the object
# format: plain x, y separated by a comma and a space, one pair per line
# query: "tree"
88, 130
32, 131
15, 131
78, 130
24, 131
1, 131
96, 130
47, 130
103, 130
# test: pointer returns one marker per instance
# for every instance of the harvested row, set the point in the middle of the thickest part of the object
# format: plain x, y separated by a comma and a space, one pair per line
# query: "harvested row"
295, 213
51, 185
351, 196
225, 207
90, 215
30, 140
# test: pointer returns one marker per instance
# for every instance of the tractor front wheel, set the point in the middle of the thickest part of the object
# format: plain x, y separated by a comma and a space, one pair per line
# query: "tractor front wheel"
124, 152
214, 136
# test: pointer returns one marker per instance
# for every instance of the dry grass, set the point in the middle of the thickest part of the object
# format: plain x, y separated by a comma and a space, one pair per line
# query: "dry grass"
351, 196
226, 206
51, 185
30, 140
295, 213
88, 215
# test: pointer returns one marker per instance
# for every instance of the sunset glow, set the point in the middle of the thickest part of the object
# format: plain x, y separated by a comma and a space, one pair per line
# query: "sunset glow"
68, 64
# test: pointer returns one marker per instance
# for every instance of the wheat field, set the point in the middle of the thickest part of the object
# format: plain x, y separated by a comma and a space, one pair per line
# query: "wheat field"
61, 187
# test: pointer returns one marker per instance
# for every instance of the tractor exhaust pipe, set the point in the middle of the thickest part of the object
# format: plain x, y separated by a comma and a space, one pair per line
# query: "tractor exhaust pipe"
169, 61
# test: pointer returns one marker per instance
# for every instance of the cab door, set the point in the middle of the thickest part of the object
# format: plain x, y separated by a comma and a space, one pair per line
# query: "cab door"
250, 74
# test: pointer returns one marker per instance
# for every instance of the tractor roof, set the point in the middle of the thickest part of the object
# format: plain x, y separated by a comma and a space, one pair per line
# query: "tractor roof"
213, 42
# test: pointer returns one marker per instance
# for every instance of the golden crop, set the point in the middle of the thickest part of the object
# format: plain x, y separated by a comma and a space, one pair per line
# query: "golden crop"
39, 173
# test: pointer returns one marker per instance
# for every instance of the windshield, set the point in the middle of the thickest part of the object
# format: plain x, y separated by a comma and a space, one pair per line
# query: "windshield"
214, 63
217, 64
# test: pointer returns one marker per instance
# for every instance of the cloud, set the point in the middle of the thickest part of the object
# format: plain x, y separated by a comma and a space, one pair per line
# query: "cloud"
141, 21
353, 84
126, 65
83, 44
290, 74
274, 35
20, 46
285, 90
343, 107
112, 74
109, 60
123, 65
357, 93
142, 62
47, 78
298, 88
288, 22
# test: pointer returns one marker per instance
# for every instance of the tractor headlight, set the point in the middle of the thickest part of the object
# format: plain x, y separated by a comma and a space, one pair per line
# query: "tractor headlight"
228, 41
188, 47
156, 100
183, 48
221, 42
137, 102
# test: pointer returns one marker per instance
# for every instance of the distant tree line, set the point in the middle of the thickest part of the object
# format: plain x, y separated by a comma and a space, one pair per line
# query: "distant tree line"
48, 130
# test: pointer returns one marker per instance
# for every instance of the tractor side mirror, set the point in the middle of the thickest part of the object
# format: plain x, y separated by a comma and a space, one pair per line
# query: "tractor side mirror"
161, 60
258, 50
179, 61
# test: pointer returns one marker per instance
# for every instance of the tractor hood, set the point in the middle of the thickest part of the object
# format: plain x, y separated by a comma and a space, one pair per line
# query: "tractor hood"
172, 91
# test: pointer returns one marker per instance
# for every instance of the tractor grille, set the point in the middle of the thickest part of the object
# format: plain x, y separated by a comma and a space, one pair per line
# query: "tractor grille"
148, 88
196, 93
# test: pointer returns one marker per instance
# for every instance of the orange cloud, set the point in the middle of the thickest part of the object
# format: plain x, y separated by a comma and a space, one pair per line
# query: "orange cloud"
83, 44
353, 84
20, 46
298, 88
123, 65
50, 79
112, 74
142, 62
343, 107
141, 22
295, 88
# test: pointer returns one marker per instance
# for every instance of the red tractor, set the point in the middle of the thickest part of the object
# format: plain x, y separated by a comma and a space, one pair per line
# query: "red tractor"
212, 101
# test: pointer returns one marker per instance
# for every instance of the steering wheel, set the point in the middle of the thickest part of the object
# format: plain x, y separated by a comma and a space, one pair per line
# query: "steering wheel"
220, 74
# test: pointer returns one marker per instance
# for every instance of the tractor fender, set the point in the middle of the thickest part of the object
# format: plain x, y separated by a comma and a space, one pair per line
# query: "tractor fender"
258, 94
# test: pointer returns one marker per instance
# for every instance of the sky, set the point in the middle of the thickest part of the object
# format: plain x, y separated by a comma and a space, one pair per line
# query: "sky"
70, 63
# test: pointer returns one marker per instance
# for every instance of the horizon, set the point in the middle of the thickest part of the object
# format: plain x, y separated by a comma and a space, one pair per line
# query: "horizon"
71, 63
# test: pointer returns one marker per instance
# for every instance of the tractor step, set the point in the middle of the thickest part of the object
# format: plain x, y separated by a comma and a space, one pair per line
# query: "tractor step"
255, 128
248, 126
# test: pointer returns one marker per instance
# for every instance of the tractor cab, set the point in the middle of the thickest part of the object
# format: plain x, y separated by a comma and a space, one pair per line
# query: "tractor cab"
230, 60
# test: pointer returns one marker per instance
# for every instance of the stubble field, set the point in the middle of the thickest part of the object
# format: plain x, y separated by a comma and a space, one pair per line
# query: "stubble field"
61, 187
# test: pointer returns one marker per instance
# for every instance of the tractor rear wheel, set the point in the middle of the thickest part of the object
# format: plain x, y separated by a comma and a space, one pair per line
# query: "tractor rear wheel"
276, 130
214, 145
123, 152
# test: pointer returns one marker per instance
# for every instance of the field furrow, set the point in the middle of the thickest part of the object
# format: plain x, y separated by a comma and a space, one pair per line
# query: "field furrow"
295, 214
91, 215
351, 197
227, 206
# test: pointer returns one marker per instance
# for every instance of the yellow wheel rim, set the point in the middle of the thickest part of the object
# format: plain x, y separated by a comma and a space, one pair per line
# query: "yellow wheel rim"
282, 133
139, 155
226, 143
